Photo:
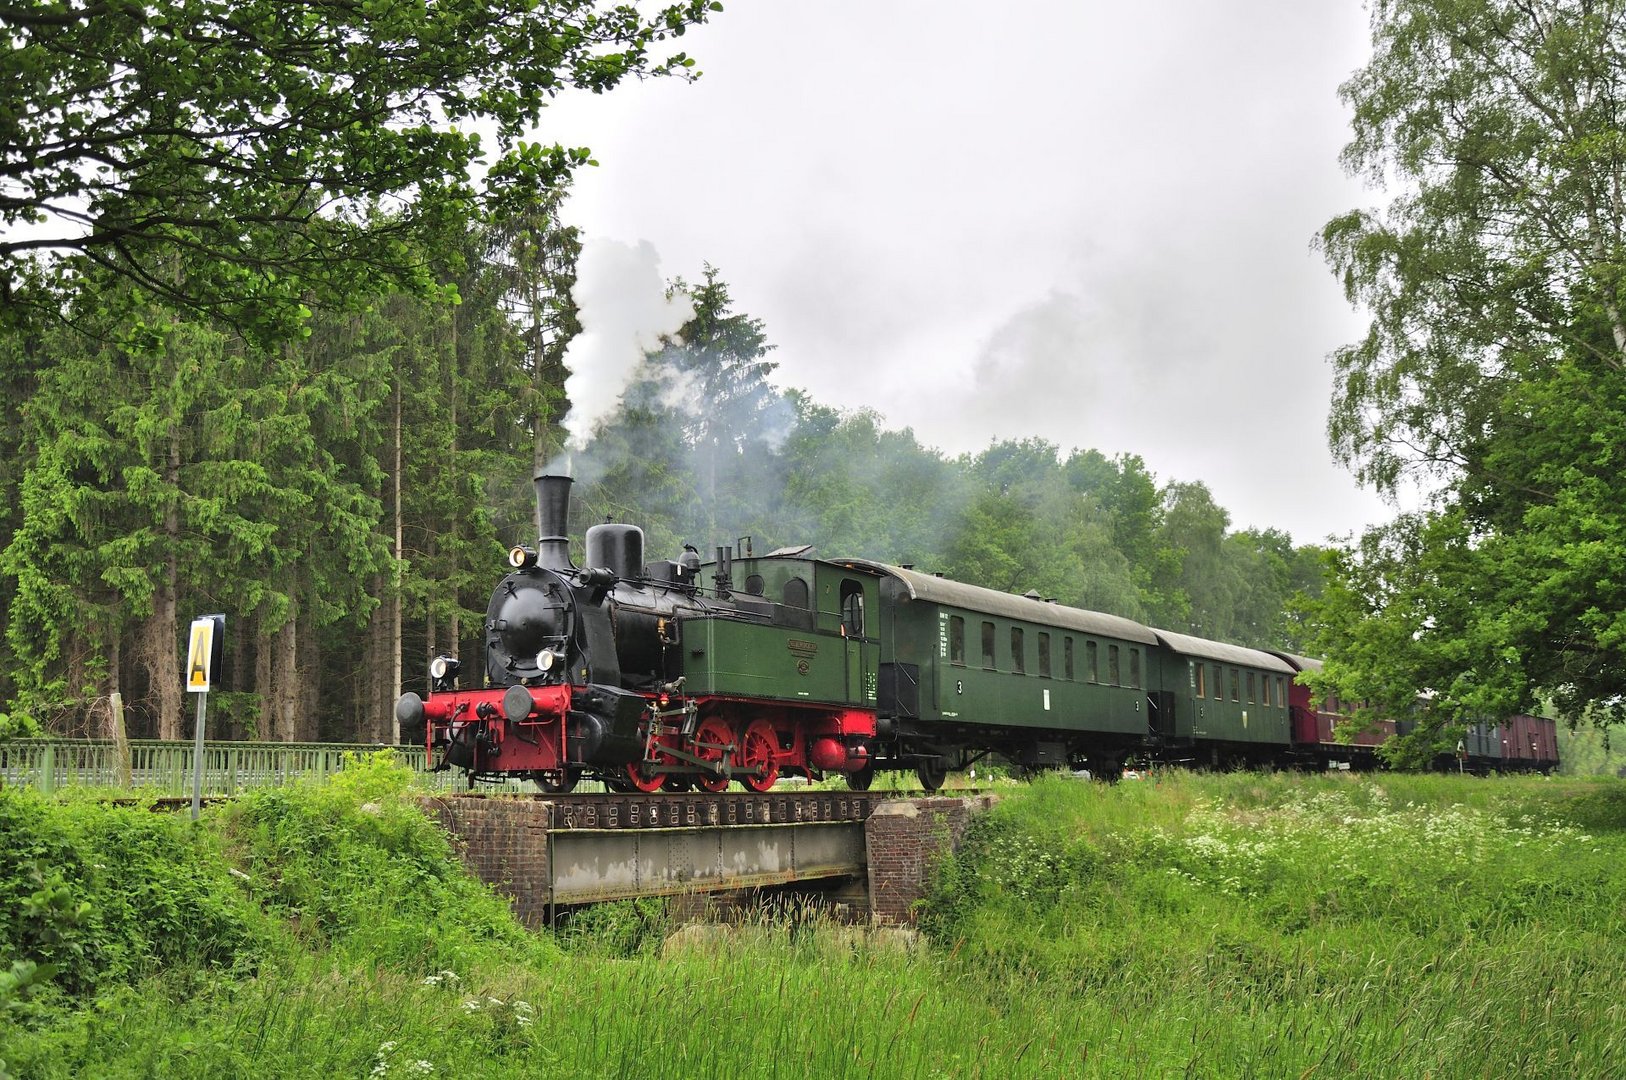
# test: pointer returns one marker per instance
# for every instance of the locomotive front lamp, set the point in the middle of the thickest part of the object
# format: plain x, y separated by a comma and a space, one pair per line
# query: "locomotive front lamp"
546, 659
521, 557
443, 672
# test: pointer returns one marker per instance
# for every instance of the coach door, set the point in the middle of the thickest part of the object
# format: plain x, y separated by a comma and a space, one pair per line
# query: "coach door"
860, 680
1160, 714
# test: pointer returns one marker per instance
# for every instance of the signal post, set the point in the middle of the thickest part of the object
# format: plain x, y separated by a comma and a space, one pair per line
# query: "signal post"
207, 640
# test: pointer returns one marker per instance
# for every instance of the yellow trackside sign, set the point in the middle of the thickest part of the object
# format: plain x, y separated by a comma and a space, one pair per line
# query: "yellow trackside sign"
203, 654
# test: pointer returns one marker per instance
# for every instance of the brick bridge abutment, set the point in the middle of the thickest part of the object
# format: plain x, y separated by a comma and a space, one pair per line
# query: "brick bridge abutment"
544, 854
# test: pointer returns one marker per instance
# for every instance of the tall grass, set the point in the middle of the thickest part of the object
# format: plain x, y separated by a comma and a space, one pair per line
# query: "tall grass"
1210, 926
1387, 926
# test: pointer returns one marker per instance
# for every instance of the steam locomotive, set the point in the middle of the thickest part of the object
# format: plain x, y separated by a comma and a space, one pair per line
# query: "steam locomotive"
676, 675
640, 676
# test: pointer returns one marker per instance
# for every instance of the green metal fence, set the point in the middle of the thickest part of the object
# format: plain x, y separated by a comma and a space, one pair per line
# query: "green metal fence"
166, 767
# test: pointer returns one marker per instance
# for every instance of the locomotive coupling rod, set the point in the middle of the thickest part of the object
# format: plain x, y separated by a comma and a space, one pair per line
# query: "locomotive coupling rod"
718, 767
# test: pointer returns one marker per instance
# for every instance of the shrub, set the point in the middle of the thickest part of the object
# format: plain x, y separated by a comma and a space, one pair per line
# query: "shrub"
355, 865
96, 894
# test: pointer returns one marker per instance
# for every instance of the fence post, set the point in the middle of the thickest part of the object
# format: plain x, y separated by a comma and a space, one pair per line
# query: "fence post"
121, 741
48, 770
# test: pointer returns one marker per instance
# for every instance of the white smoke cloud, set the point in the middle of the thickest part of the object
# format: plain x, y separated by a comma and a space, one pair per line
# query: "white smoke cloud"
620, 293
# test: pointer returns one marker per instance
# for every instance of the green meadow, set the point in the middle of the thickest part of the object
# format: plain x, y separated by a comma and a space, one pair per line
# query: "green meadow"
1184, 925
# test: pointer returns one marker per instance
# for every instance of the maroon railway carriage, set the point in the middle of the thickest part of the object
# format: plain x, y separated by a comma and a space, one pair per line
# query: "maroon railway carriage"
1314, 725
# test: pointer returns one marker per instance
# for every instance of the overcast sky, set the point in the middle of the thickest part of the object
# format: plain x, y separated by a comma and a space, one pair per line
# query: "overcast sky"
1085, 221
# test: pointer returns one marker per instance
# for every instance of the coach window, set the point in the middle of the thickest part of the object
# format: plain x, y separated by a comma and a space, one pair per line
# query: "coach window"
852, 608
1281, 692
796, 593
957, 640
988, 645
1236, 685
1112, 665
1067, 658
1134, 668
1202, 683
1250, 688
1044, 656
1019, 656
1219, 683
1092, 660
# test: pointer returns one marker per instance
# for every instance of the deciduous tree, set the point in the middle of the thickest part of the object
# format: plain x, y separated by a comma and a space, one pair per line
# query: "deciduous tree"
1493, 368
245, 147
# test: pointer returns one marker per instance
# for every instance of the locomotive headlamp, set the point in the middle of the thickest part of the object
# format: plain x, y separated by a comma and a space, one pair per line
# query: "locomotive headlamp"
443, 672
546, 659
521, 557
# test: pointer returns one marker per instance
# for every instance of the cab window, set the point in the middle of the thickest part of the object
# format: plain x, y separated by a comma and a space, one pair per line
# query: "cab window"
796, 593
852, 608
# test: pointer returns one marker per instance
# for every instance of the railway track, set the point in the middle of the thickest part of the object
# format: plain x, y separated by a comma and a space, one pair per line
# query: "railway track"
608, 810
702, 809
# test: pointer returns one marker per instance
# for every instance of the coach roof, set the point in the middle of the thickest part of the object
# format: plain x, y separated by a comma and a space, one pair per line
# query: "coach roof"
974, 598
1186, 645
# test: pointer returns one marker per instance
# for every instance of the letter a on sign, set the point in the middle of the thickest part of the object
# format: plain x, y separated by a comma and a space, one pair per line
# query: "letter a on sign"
203, 652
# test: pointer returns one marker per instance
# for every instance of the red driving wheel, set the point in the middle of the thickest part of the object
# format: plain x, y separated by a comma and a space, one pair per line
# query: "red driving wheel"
711, 743
758, 756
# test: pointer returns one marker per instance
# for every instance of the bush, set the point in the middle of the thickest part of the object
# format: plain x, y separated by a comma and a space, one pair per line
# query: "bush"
97, 894
622, 928
356, 866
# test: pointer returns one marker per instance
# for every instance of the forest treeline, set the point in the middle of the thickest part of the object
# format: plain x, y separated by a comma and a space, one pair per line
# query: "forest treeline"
346, 499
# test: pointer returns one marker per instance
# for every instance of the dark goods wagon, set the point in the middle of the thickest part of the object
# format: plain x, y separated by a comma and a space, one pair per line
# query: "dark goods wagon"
1530, 744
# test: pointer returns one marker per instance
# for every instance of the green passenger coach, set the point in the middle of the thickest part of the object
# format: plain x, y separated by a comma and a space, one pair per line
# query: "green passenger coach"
954, 672
1225, 697
1044, 685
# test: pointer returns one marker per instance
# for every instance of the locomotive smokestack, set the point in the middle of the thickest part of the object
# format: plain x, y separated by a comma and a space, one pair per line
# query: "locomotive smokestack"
553, 514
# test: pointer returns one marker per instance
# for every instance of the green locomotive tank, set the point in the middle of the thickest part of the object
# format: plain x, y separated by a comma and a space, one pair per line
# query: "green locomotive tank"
812, 645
